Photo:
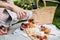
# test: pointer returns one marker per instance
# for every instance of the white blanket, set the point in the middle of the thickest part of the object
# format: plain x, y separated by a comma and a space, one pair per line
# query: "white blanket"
54, 35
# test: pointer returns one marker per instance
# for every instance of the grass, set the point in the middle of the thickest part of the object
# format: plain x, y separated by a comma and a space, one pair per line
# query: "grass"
48, 3
56, 20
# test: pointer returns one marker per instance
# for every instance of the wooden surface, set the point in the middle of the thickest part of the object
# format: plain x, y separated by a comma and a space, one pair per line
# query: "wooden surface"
44, 15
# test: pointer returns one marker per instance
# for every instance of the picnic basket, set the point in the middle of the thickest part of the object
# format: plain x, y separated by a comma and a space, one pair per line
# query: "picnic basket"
44, 15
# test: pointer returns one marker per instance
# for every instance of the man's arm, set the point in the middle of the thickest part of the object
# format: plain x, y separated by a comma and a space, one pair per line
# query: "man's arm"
6, 5
19, 11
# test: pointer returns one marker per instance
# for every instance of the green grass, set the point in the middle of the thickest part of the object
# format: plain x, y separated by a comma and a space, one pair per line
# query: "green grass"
56, 20
48, 3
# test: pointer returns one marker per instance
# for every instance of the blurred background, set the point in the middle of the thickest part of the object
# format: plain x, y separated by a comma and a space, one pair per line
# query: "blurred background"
31, 4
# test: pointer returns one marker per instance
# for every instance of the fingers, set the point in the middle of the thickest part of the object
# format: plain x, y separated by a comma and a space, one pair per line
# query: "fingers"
18, 15
0, 33
20, 12
21, 15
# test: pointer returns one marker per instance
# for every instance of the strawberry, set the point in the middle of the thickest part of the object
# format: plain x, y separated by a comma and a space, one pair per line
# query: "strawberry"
39, 37
45, 37
24, 25
30, 20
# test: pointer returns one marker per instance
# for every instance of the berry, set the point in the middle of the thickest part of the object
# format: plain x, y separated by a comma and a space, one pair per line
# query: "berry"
24, 25
42, 26
30, 20
39, 37
45, 37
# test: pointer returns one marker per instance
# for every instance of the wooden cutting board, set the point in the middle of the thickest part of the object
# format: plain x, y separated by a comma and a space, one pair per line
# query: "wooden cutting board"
44, 15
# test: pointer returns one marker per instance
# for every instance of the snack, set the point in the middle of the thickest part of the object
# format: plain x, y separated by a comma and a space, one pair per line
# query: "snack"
46, 30
24, 25
31, 20
36, 32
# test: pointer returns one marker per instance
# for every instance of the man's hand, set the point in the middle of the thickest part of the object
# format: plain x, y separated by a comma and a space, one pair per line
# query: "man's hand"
0, 32
4, 31
20, 12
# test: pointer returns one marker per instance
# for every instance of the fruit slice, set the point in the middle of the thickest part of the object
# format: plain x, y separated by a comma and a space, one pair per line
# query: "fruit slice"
24, 25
